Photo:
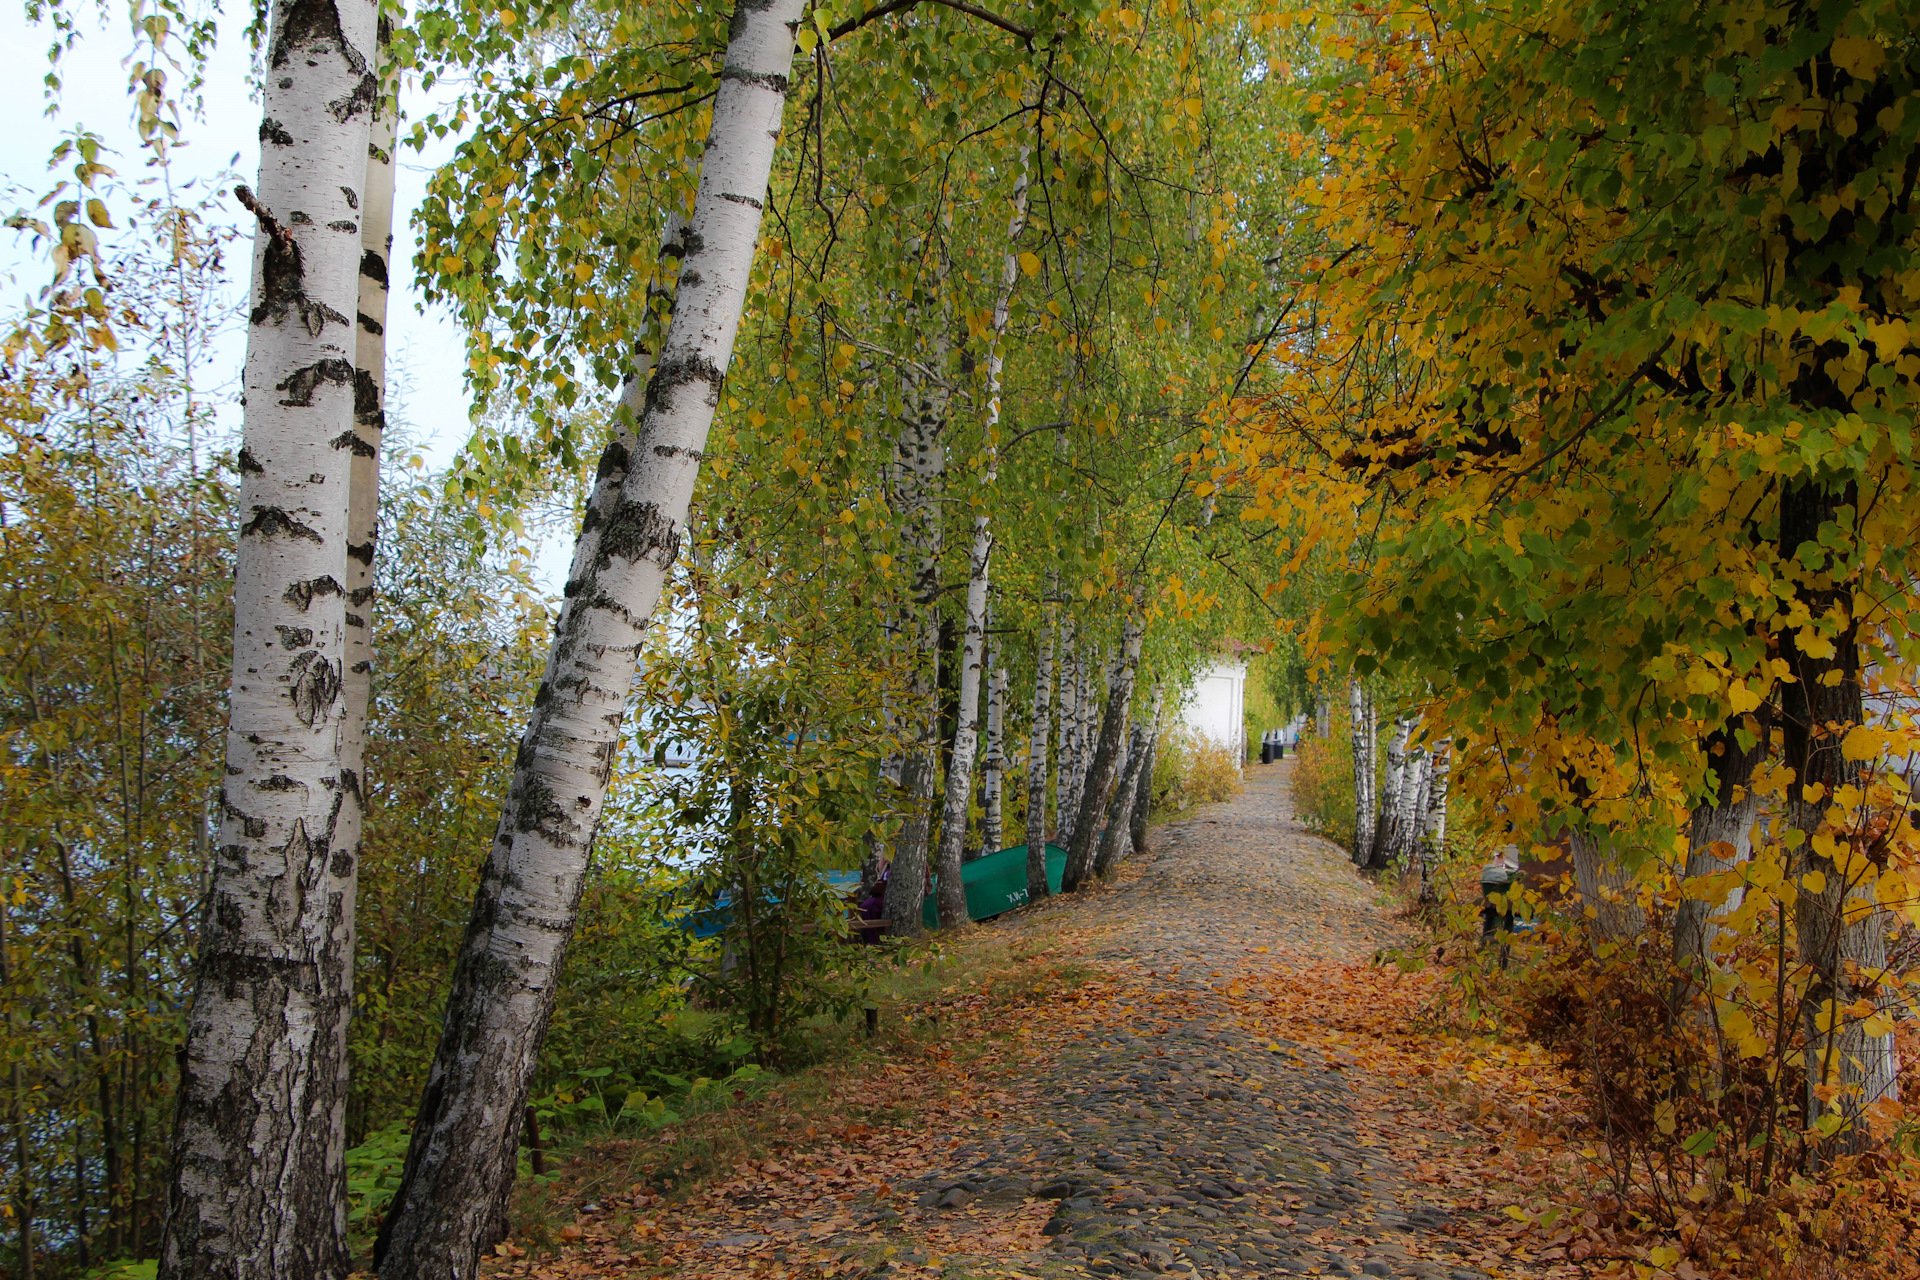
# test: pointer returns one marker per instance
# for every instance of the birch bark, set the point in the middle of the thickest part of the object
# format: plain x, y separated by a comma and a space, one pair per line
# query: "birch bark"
1102, 772
1037, 887
1360, 708
460, 1162
966, 731
1433, 843
1066, 804
1116, 836
920, 462
1387, 834
1143, 788
258, 1185
993, 768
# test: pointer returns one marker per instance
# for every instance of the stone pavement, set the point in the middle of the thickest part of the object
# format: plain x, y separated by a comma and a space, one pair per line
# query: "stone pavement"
1172, 1139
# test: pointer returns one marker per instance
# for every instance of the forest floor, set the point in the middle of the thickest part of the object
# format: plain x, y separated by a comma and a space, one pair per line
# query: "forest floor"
1203, 1069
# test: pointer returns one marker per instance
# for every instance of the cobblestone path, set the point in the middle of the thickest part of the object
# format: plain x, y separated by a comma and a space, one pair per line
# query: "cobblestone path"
1172, 1140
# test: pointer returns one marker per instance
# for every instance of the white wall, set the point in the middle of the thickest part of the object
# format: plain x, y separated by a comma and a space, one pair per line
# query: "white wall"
1215, 707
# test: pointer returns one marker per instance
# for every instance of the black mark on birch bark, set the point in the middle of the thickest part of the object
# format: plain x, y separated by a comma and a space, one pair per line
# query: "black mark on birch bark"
272, 522
302, 383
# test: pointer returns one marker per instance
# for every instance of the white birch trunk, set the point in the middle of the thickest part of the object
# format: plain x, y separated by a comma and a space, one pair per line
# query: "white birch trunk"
1116, 840
1387, 831
966, 730
1066, 798
1143, 788
460, 1162
920, 468
1361, 709
1103, 770
1433, 843
1413, 829
993, 768
1037, 887
258, 1182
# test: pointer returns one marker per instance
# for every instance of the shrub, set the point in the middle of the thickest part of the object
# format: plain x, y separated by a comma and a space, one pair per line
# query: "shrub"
1323, 785
1189, 770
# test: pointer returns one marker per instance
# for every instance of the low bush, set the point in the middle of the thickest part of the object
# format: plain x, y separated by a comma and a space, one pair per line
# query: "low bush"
1323, 785
1189, 770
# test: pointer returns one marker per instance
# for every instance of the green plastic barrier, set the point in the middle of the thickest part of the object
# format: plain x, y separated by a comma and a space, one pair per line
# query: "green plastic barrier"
997, 883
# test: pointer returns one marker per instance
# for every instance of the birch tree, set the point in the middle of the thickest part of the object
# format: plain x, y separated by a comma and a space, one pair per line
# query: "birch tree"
1361, 729
1103, 770
460, 1161
259, 1141
993, 765
959, 788
1037, 886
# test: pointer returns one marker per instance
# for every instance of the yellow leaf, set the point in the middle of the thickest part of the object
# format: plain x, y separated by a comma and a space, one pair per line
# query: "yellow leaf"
1741, 699
1858, 56
1814, 882
1030, 263
1861, 743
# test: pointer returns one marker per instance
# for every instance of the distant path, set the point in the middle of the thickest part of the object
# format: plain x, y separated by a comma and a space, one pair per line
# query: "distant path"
1186, 1144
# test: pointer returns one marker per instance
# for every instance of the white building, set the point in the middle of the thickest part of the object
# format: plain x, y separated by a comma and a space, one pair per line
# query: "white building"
1215, 707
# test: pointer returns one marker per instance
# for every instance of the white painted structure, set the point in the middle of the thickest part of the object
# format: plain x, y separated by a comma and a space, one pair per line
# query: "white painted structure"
1215, 707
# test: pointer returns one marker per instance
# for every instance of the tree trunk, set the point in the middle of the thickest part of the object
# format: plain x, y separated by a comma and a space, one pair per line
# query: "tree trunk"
1066, 806
1360, 707
1433, 845
460, 1163
1387, 830
920, 464
1606, 889
1842, 930
1037, 887
258, 1185
1103, 771
1413, 829
1143, 788
1115, 839
959, 791
993, 767
1719, 838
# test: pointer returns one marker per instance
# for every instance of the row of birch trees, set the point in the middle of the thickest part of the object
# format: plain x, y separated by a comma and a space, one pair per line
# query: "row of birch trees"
915, 323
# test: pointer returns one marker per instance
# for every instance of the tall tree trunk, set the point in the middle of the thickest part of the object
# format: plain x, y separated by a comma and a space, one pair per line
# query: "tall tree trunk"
920, 464
1037, 887
1719, 838
460, 1163
1842, 930
1116, 838
959, 790
1413, 828
1433, 843
1360, 707
259, 1142
1103, 771
1066, 800
1143, 788
993, 768
1606, 888
1387, 830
